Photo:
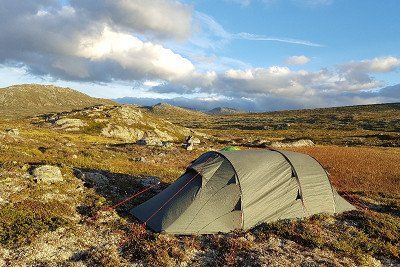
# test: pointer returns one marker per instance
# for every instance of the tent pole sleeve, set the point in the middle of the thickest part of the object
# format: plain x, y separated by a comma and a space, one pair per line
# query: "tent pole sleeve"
306, 213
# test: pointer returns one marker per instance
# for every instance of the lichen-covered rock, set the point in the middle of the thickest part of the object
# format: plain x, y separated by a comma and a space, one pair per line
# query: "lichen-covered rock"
150, 141
124, 133
70, 124
298, 143
188, 146
192, 140
12, 131
130, 115
47, 174
149, 181
163, 135
96, 179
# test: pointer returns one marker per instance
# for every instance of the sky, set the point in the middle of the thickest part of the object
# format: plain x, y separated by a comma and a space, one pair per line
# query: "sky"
256, 55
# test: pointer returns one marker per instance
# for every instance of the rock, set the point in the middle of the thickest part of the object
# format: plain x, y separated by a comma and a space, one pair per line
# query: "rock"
167, 144
96, 179
12, 131
70, 124
149, 141
149, 181
188, 146
140, 159
47, 174
192, 140
298, 143
261, 143
163, 135
130, 115
124, 133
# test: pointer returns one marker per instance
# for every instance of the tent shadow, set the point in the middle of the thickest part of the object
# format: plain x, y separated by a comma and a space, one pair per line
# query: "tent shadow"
115, 188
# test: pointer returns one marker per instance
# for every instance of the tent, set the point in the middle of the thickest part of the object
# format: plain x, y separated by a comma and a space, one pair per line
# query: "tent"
227, 190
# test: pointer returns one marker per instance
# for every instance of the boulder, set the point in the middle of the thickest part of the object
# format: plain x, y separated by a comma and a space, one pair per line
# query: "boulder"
150, 141
70, 124
188, 146
298, 143
167, 144
12, 131
192, 140
121, 132
47, 174
130, 115
149, 181
96, 179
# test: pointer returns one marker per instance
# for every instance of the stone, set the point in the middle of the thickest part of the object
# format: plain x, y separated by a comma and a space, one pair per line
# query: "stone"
192, 140
12, 131
139, 159
298, 143
47, 174
70, 124
149, 141
149, 181
96, 179
189, 147
167, 144
121, 132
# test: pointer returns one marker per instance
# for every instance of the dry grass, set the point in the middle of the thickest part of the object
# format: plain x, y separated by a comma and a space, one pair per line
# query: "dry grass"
361, 169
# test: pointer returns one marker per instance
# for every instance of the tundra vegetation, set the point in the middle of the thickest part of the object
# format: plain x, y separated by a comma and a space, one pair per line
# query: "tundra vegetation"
62, 221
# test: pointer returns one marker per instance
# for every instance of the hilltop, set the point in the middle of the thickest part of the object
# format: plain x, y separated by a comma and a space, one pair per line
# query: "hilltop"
28, 100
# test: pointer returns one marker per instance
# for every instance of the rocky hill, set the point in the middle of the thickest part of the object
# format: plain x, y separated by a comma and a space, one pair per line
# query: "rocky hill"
126, 123
27, 100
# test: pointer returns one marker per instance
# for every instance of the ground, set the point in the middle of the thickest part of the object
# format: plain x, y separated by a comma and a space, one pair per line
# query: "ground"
66, 223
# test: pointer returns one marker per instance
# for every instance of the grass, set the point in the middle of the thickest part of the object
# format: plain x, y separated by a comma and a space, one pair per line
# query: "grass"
21, 223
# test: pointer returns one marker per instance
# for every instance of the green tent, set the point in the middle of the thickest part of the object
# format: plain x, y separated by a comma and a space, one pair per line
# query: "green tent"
227, 190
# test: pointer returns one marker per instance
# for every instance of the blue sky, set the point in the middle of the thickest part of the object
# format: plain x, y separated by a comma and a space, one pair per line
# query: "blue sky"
347, 30
251, 54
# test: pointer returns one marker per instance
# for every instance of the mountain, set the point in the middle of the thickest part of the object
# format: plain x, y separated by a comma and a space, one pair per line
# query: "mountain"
224, 111
28, 100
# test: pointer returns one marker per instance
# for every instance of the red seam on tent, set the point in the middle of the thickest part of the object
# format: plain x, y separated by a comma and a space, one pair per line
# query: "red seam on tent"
123, 201
180, 189
168, 200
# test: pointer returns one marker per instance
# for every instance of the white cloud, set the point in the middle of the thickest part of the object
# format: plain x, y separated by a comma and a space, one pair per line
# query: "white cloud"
298, 60
144, 58
163, 18
256, 37
375, 65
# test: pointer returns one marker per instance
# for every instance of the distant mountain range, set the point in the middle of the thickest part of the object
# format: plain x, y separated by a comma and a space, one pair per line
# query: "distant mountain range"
32, 99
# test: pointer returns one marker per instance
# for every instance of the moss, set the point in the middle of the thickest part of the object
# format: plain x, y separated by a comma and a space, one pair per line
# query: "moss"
19, 225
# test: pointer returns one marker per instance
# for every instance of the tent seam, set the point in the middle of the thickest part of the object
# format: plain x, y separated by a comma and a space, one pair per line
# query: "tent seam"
238, 183
297, 179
